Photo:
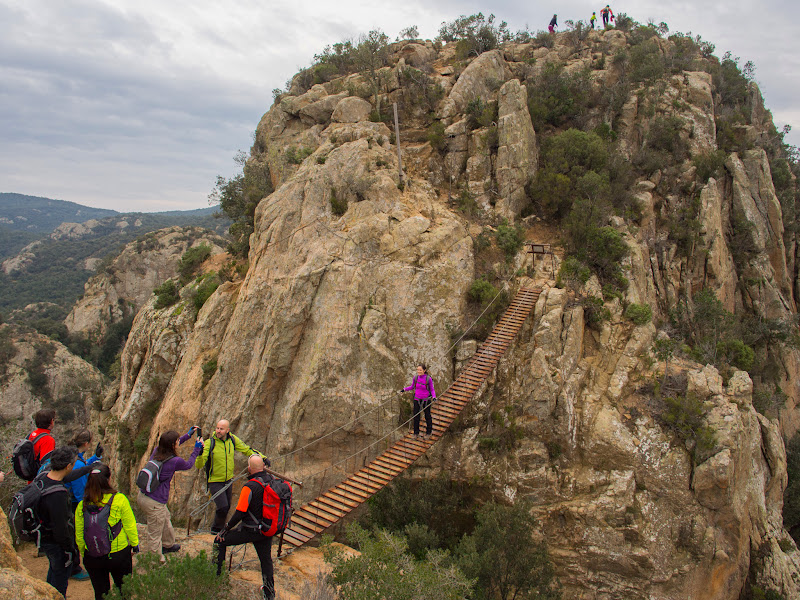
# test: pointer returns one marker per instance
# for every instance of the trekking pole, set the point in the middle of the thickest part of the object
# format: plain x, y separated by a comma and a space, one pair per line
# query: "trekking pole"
280, 544
284, 477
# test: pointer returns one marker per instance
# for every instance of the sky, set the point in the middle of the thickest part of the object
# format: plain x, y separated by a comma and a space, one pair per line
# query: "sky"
139, 105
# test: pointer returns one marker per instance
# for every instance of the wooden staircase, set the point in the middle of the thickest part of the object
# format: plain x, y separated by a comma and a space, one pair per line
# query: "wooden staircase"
312, 519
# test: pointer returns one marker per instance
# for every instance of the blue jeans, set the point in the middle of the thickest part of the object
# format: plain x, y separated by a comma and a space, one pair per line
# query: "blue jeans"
58, 573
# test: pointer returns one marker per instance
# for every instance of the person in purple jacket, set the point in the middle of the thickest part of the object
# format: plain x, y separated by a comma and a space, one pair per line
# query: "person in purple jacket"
424, 395
159, 537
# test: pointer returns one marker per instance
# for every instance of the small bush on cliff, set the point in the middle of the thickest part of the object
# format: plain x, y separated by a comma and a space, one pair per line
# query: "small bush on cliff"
338, 207
640, 314
167, 294
685, 415
557, 97
238, 197
709, 164
503, 558
7, 351
510, 239
475, 34
180, 577
38, 379
191, 260
206, 287
435, 136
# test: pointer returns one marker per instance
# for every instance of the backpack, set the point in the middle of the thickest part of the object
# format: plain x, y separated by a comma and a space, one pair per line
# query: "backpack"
23, 516
148, 478
24, 460
96, 532
276, 507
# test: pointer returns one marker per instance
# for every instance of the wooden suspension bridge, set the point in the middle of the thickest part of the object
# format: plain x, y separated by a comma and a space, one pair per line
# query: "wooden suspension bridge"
313, 518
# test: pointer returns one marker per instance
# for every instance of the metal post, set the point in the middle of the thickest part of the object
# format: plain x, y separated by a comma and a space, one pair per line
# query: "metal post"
397, 143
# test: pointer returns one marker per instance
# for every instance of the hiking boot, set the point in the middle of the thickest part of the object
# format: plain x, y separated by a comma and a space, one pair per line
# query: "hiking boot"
174, 548
80, 576
267, 594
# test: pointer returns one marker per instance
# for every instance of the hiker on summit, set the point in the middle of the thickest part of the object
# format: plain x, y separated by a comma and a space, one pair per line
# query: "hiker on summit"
606, 13
58, 521
248, 506
424, 395
159, 536
108, 538
217, 460
593, 19
553, 24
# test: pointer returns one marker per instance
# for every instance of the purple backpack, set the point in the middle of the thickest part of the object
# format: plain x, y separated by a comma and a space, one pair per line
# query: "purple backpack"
97, 535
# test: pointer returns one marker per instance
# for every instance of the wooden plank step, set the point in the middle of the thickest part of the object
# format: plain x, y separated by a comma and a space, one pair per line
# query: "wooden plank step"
337, 503
350, 492
389, 461
326, 508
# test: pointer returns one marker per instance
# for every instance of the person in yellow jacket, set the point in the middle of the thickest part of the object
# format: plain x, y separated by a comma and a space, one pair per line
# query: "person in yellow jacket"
217, 461
123, 538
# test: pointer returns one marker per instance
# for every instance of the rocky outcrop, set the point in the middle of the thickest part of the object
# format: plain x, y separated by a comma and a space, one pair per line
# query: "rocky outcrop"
127, 283
38, 372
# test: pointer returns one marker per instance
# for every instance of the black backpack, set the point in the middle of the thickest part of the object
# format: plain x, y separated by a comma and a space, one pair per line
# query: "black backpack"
97, 535
23, 515
148, 478
24, 460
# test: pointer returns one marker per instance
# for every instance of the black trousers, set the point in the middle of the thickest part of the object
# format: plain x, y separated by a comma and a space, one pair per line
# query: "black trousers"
222, 502
419, 407
58, 573
115, 565
263, 546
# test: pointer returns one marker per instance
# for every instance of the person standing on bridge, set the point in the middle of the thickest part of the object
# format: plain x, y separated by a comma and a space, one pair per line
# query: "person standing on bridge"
424, 395
248, 509
217, 460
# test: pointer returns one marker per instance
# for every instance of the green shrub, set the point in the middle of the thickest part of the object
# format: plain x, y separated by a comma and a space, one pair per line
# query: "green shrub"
557, 97
510, 239
482, 292
502, 558
685, 415
295, 156
191, 260
709, 164
573, 271
167, 294
435, 136
338, 207
640, 314
665, 135
475, 34
646, 62
736, 353
594, 311
466, 202
207, 287
209, 368
384, 569
180, 577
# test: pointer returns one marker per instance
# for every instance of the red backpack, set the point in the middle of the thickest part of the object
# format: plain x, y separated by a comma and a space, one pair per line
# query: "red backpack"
276, 507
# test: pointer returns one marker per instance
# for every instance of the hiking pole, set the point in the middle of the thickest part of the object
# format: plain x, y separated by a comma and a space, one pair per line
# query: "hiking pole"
280, 544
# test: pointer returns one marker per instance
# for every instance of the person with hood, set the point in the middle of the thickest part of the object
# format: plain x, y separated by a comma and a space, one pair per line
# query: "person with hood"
243, 528
217, 460
553, 24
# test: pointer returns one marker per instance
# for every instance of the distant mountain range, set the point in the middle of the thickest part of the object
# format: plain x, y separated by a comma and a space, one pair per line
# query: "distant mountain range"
55, 269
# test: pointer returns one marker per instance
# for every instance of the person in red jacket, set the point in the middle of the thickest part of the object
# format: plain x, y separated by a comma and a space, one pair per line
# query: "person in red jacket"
46, 443
606, 13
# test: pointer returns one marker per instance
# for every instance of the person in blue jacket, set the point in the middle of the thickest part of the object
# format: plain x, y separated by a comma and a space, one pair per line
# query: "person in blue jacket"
82, 441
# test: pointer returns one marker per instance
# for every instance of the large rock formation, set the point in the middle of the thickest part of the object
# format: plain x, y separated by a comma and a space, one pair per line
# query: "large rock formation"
126, 284
16, 582
354, 277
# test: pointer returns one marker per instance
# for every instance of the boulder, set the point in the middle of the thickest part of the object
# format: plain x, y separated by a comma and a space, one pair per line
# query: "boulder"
351, 110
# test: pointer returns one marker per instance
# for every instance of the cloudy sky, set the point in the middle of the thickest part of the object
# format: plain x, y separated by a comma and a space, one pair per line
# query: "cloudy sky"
138, 105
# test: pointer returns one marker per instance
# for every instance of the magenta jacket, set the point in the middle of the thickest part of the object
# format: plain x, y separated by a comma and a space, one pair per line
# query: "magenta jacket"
423, 387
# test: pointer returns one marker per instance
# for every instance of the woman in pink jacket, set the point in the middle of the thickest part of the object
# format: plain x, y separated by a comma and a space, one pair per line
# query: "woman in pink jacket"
424, 395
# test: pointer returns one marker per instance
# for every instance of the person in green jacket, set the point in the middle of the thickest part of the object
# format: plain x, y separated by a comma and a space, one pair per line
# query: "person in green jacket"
119, 561
217, 460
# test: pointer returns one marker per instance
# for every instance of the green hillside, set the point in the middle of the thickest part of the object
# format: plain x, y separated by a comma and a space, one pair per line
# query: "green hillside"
41, 215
